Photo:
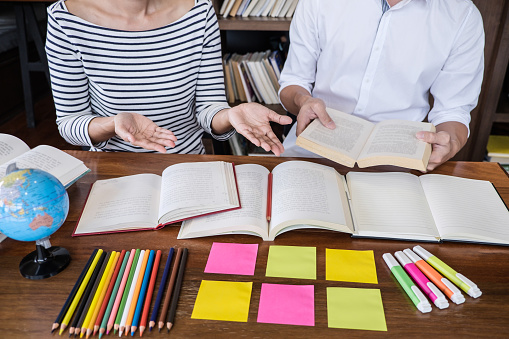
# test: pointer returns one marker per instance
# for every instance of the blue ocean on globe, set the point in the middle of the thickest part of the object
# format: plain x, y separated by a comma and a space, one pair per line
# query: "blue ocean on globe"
33, 204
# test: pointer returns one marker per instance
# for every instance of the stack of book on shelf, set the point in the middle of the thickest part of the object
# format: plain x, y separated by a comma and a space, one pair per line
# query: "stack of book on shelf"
498, 150
258, 8
253, 76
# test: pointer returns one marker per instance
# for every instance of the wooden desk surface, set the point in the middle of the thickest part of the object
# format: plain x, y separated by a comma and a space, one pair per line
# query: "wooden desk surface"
28, 308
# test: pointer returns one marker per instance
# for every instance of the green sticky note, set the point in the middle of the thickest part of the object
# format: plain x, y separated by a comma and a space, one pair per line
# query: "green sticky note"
291, 262
355, 308
223, 300
353, 266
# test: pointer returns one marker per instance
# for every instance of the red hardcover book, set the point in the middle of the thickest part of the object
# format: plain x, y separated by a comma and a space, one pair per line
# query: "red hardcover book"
149, 201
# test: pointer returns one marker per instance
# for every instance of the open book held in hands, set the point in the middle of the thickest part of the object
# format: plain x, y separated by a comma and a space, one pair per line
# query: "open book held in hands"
394, 205
151, 201
390, 142
63, 166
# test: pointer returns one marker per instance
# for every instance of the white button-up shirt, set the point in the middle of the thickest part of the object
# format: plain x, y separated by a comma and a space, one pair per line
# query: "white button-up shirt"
384, 66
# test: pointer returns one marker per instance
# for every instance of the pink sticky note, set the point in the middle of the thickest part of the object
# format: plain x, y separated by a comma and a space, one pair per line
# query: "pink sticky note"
287, 304
226, 258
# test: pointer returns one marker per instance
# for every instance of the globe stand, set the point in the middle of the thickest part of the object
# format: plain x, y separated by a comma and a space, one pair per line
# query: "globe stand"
46, 261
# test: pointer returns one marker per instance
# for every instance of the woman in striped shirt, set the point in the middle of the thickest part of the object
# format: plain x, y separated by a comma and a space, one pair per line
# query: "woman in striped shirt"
145, 76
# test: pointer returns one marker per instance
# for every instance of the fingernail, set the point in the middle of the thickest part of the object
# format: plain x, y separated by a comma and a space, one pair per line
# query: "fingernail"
331, 124
420, 135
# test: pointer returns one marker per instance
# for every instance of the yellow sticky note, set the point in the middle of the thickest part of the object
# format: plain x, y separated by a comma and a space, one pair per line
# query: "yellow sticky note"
352, 266
296, 262
223, 300
355, 308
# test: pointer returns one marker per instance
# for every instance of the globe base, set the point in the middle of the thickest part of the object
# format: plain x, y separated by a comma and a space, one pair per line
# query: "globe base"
44, 262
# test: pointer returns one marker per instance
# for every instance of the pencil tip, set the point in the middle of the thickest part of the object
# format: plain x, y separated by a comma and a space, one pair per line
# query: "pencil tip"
100, 335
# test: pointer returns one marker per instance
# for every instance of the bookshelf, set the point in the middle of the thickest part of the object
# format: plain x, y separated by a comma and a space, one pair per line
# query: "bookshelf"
249, 34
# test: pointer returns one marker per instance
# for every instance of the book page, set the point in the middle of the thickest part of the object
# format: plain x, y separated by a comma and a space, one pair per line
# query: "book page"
396, 139
390, 204
191, 189
466, 209
345, 141
250, 219
11, 147
308, 193
49, 159
129, 202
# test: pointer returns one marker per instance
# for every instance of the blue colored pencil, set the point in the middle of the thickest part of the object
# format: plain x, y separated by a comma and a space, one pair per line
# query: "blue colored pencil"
143, 291
160, 292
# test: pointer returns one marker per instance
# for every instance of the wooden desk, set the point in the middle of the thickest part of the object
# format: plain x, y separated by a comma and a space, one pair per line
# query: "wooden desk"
28, 308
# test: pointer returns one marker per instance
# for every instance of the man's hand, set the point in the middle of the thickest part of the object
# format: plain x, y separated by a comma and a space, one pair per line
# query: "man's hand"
252, 120
311, 109
446, 142
141, 131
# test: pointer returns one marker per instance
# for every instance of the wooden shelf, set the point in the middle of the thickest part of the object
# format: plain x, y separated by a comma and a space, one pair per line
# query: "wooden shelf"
254, 24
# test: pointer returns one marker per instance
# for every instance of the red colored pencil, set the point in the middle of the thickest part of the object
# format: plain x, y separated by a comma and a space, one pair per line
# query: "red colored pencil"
269, 198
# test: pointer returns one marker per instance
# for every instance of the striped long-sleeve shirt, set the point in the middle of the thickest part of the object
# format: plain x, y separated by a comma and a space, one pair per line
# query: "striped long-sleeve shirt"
172, 74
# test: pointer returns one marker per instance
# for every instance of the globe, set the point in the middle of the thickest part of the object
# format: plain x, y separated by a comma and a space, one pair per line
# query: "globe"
33, 205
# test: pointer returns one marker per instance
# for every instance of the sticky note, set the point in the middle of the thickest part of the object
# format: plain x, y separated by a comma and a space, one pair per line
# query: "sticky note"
291, 262
352, 266
228, 258
355, 308
223, 300
287, 304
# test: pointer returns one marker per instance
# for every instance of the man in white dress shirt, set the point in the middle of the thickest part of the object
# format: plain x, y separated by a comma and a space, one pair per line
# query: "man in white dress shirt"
381, 59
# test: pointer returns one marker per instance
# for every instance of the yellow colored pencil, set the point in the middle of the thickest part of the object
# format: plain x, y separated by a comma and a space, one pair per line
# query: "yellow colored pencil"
78, 295
103, 293
93, 305
137, 288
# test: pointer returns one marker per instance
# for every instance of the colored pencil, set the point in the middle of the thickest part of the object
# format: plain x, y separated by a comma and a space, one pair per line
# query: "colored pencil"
150, 292
79, 294
119, 293
129, 300
160, 292
108, 289
125, 293
136, 294
269, 197
176, 292
73, 292
113, 294
78, 321
143, 291
162, 316
101, 279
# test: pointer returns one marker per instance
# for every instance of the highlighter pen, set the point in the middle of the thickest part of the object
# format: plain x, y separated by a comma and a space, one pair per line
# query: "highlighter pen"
426, 286
459, 279
442, 283
413, 292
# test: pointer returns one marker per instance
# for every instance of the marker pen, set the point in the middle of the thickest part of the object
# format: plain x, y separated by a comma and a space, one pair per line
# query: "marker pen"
459, 279
413, 292
442, 283
426, 286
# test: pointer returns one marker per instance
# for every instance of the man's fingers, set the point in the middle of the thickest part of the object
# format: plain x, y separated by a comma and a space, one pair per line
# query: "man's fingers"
440, 138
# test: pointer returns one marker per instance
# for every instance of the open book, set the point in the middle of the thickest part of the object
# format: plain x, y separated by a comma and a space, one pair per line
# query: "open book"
390, 142
63, 166
396, 205
151, 201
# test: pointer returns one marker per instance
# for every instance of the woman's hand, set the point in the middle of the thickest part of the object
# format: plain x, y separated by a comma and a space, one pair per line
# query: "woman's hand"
252, 120
141, 131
